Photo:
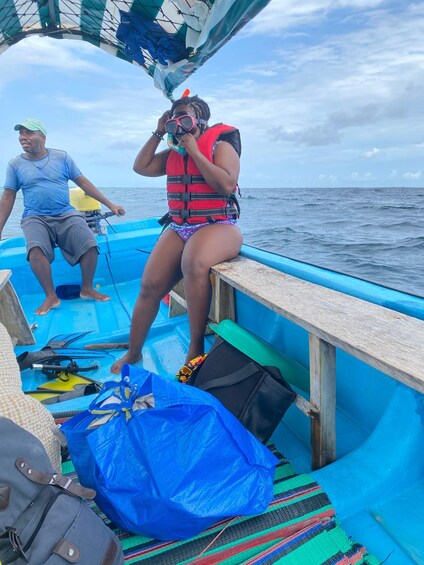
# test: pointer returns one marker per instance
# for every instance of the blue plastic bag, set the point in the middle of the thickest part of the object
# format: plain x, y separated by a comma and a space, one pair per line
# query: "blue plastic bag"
171, 471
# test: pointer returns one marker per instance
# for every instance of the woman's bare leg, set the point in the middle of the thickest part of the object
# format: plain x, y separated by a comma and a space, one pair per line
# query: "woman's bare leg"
161, 273
206, 247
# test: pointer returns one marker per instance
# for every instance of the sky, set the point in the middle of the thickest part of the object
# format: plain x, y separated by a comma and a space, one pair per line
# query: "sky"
325, 93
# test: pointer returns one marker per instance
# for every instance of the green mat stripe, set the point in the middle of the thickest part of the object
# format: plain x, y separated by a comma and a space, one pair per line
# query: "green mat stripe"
298, 527
296, 499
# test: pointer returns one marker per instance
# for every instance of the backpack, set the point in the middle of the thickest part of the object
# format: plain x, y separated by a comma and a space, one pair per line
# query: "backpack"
43, 519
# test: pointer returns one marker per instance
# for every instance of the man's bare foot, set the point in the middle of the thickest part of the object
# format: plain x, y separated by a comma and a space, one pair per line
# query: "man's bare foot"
127, 358
49, 303
92, 294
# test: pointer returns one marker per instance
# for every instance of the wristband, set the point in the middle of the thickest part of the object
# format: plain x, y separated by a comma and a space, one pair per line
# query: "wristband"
158, 134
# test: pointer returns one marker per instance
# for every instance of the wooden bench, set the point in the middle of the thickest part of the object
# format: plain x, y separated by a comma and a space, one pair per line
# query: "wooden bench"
387, 340
11, 314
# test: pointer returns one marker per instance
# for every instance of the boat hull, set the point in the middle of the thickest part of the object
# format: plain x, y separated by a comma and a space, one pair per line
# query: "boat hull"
379, 422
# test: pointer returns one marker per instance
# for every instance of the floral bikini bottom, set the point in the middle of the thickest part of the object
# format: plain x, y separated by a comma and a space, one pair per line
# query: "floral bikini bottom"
185, 231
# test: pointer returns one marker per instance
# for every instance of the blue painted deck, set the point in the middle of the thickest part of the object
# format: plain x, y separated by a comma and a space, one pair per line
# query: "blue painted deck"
377, 482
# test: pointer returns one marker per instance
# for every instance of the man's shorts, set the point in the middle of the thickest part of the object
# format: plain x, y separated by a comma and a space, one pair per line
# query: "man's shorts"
69, 232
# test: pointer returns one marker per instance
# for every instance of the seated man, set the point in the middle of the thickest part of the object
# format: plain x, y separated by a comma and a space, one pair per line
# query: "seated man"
49, 220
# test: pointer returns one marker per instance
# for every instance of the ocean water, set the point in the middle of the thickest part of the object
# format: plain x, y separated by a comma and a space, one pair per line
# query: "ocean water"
376, 234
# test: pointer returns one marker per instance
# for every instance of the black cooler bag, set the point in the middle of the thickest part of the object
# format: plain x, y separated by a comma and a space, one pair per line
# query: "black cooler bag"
258, 396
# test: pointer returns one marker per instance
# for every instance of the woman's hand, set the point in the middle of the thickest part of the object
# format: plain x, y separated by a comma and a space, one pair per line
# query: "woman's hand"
189, 143
161, 122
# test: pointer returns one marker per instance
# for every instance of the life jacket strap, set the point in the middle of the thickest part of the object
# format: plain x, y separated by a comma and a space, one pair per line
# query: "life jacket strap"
185, 179
188, 196
186, 213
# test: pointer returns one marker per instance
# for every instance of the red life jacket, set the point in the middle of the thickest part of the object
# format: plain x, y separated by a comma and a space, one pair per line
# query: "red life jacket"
190, 199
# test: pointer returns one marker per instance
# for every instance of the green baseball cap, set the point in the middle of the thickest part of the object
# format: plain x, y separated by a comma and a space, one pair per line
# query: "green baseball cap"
32, 125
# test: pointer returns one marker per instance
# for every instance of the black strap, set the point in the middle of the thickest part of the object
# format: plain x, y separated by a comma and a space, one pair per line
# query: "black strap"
165, 220
185, 179
232, 199
233, 378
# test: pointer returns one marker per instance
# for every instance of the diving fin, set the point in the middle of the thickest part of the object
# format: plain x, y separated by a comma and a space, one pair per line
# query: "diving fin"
61, 341
46, 397
42, 395
66, 382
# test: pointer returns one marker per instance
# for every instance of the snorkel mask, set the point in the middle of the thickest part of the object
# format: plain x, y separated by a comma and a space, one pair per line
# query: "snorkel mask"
178, 126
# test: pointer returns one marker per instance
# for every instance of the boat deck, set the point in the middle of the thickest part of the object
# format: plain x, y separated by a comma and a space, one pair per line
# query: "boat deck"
367, 514
107, 322
377, 482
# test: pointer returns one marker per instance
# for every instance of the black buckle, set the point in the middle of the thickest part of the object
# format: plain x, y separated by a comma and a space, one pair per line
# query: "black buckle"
185, 214
186, 197
186, 179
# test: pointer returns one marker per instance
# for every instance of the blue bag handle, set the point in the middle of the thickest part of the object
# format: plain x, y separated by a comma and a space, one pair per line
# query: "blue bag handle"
125, 393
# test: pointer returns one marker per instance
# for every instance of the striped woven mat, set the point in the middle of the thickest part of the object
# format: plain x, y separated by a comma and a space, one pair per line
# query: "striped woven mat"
298, 528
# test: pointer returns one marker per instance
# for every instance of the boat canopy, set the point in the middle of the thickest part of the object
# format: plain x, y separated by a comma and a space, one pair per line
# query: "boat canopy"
169, 39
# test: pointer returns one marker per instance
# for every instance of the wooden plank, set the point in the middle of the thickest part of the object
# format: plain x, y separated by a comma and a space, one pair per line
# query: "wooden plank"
387, 340
113, 345
306, 407
178, 302
322, 362
223, 302
12, 315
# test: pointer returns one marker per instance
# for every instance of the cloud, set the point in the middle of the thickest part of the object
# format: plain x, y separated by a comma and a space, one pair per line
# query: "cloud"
313, 82
327, 179
323, 134
52, 53
343, 86
372, 153
412, 175
124, 145
330, 131
278, 16
361, 176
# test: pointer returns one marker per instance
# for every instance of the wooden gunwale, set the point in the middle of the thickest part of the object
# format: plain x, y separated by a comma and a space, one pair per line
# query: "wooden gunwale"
384, 339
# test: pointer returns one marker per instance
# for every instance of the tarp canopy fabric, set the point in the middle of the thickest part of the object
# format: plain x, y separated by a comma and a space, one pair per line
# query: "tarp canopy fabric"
169, 39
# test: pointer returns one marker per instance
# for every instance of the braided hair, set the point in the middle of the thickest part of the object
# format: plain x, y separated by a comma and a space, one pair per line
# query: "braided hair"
200, 107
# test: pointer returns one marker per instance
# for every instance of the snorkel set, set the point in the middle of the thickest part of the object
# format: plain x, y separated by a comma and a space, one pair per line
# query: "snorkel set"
180, 125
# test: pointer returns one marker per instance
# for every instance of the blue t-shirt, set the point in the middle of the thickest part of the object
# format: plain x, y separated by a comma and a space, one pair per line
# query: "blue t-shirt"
44, 182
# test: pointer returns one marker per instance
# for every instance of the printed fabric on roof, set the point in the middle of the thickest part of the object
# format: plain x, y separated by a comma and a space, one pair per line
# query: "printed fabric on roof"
169, 39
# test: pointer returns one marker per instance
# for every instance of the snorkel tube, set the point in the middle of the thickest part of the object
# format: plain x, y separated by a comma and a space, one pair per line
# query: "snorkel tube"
170, 140
174, 146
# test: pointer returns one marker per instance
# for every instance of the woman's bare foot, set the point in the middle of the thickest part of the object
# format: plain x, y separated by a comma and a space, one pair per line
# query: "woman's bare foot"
92, 294
195, 350
49, 303
129, 357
